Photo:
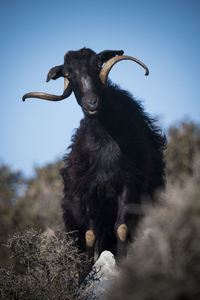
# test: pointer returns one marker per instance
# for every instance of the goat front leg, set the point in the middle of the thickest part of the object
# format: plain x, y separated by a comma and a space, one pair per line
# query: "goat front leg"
90, 242
121, 228
90, 239
129, 214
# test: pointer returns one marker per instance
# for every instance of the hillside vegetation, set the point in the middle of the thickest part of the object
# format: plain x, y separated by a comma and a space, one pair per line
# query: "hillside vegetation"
38, 260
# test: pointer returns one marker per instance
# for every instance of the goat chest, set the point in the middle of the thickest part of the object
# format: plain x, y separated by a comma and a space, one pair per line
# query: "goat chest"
103, 155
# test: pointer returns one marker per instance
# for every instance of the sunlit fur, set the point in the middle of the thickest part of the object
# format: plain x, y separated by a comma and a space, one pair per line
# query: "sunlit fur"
116, 158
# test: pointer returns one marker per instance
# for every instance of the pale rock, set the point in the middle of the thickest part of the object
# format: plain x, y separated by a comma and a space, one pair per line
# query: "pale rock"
100, 278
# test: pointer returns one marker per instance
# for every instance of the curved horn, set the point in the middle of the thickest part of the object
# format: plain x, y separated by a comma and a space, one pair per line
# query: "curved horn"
111, 62
67, 92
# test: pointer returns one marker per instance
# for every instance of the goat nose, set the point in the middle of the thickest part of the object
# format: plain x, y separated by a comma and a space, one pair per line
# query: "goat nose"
93, 101
90, 103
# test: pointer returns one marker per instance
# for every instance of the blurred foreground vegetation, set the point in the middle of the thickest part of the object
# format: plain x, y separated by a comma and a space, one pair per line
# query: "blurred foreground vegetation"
32, 206
164, 261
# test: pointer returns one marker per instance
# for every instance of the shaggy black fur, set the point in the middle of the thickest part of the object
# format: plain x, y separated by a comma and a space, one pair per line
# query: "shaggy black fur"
116, 158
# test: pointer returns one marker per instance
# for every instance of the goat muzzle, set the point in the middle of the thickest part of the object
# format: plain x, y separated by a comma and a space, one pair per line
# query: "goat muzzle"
112, 61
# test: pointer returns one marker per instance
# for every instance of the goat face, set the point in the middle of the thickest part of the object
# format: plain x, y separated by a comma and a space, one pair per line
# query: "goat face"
85, 73
81, 69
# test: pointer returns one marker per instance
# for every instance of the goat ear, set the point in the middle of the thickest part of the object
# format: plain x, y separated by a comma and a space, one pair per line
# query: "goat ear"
55, 73
107, 54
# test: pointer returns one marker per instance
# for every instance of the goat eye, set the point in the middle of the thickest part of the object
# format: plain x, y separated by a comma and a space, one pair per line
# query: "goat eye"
68, 75
95, 64
99, 65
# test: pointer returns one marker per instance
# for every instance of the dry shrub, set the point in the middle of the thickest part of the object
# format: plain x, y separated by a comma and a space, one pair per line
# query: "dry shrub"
183, 146
164, 261
28, 203
49, 267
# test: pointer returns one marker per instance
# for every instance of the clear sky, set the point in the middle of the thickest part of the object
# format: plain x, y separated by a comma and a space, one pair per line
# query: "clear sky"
164, 34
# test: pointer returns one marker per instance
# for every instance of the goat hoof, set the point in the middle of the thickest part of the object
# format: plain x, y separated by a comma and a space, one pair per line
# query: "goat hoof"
89, 238
122, 232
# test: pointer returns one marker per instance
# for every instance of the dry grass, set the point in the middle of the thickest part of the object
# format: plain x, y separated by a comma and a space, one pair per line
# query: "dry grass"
47, 265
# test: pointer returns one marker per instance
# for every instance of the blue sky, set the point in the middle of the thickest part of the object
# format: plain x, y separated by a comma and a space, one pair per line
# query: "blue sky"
35, 35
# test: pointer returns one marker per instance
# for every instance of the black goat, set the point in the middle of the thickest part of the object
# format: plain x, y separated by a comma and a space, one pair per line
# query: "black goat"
116, 156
